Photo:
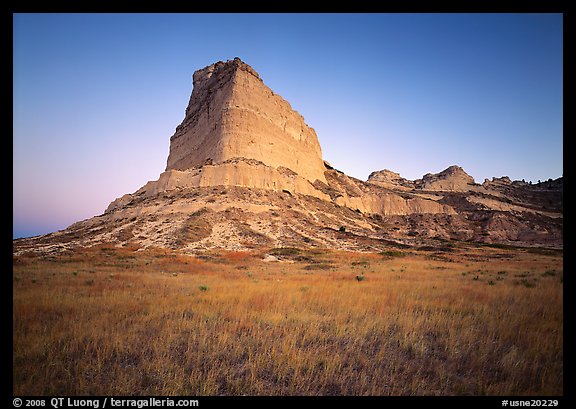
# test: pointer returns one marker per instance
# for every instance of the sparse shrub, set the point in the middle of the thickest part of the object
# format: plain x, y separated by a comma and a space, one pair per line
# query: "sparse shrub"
360, 277
490, 282
549, 273
89, 282
527, 283
392, 253
284, 251
203, 287
426, 248
318, 266
523, 275
476, 278
342, 229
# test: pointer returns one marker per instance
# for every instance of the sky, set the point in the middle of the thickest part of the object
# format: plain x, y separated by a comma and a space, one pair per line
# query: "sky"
96, 97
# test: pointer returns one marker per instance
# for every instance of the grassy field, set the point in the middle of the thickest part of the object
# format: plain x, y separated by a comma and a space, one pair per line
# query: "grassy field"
463, 321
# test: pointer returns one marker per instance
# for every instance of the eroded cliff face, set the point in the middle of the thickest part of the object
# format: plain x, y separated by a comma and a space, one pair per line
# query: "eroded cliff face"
233, 114
244, 170
238, 132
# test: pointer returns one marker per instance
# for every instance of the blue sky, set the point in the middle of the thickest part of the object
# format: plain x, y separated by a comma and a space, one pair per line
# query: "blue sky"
97, 96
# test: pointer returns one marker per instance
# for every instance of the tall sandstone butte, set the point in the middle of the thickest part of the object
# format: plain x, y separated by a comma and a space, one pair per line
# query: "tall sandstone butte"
245, 171
233, 114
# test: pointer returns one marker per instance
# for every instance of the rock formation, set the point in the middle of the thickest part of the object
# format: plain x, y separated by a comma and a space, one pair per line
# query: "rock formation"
245, 171
233, 114
452, 178
389, 179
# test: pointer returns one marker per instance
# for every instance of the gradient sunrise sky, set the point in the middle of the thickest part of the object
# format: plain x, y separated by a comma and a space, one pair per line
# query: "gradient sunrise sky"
96, 97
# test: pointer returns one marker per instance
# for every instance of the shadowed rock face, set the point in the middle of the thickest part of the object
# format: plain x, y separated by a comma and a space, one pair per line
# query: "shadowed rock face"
233, 114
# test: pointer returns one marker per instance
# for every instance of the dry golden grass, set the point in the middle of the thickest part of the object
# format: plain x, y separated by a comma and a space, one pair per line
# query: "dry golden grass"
107, 321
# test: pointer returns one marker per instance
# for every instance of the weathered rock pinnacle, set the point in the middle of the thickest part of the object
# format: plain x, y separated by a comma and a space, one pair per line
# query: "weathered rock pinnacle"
233, 114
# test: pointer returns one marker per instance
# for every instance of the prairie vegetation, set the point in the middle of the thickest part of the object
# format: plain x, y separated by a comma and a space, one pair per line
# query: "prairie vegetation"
116, 321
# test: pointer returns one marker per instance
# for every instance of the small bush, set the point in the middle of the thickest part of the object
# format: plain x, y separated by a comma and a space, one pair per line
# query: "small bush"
342, 229
528, 284
360, 277
203, 287
549, 273
318, 266
284, 251
523, 275
392, 253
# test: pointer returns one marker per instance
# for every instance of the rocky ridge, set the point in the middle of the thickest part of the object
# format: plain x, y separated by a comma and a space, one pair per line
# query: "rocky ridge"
245, 171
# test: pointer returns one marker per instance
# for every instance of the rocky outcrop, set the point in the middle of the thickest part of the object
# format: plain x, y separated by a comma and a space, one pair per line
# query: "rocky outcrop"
451, 179
244, 170
387, 204
234, 172
387, 178
237, 132
498, 182
232, 113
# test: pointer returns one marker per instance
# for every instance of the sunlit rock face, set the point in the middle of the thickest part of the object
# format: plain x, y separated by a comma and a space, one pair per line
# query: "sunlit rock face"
233, 114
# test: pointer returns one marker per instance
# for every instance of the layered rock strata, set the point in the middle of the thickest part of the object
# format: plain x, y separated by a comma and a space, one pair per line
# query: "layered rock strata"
245, 171
233, 114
